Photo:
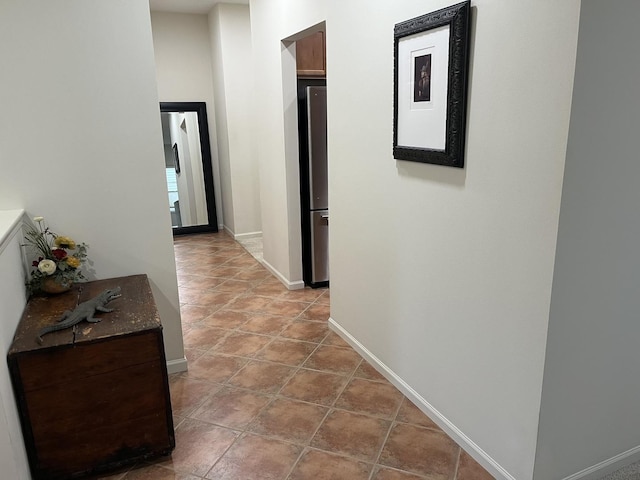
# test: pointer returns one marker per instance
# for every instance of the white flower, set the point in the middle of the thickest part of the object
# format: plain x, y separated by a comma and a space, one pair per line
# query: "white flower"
38, 219
47, 266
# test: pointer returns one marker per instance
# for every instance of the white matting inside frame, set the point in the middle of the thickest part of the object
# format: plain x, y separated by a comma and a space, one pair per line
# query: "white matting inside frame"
422, 121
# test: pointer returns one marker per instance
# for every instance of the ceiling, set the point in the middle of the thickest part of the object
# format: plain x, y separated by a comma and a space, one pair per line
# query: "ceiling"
188, 6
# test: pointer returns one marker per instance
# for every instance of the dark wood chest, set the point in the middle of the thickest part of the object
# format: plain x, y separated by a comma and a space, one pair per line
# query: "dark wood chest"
94, 397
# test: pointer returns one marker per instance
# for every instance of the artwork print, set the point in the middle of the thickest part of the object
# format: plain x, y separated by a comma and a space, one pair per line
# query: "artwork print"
422, 78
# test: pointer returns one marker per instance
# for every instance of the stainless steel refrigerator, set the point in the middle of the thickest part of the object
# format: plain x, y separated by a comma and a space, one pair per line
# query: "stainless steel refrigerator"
314, 183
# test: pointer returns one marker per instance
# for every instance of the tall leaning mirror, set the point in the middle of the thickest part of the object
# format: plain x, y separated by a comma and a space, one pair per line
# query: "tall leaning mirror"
188, 167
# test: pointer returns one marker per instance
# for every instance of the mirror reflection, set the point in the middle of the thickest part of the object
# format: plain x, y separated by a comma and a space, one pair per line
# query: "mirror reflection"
183, 167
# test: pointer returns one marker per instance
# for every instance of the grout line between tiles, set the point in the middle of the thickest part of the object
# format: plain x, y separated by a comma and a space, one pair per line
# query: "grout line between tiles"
455, 472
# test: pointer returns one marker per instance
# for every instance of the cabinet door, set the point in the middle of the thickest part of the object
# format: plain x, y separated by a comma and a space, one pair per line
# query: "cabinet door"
310, 55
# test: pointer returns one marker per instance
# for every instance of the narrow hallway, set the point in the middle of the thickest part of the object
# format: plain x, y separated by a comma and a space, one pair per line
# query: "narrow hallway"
272, 393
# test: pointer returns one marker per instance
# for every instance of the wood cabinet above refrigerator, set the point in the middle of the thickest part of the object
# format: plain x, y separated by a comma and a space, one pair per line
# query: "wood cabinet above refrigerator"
311, 56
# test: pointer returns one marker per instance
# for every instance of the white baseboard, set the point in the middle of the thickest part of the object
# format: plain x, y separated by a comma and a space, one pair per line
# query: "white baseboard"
608, 466
177, 366
455, 433
297, 285
246, 236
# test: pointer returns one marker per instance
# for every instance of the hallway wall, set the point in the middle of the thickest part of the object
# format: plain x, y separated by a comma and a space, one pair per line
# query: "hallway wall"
442, 275
182, 53
233, 75
81, 139
591, 391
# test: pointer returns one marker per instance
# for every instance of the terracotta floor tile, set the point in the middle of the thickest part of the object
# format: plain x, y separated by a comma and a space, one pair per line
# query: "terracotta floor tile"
215, 368
211, 259
469, 469
264, 324
225, 318
317, 312
244, 260
307, 331
234, 286
269, 289
303, 295
249, 304
253, 275
262, 377
285, 308
200, 336
351, 434
154, 472
289, 352
325, 298
371, 398
199, 282
242, 344
336, 340
333, 359
226, 271
289, 420
198, 268
190, 295
365, 370
421, 451
274, 281
193, 313
230, 407
409, 413
192, 354
213, 298
314, 387
199, 445
254, 457
384, 473
315, 465
187, 394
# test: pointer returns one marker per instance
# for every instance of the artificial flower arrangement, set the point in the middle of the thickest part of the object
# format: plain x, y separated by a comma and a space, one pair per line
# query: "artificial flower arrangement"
59, 259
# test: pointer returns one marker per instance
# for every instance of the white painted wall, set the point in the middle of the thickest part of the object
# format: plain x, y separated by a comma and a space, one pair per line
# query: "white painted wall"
443, 275
182, 52
271, 22
591, 391
234, 75
13, 299
81, 142
222, 129
184, 179
195, 155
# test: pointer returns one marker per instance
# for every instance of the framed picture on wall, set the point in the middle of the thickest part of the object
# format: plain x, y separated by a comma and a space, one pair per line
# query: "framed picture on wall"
431, 58
176, 158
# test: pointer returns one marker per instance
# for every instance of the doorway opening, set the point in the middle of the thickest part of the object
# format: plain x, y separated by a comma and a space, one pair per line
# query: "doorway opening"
313, 165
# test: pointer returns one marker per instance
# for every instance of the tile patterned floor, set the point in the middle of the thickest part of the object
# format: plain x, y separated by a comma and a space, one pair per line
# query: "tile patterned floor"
273, 394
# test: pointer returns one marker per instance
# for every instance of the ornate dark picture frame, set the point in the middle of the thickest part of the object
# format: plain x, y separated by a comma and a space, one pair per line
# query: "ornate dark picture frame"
419, 99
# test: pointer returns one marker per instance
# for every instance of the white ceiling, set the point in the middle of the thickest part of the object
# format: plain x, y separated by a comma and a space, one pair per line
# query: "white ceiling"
188, 6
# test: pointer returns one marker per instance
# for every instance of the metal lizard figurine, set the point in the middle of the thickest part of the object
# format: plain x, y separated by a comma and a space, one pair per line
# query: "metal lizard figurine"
83, 311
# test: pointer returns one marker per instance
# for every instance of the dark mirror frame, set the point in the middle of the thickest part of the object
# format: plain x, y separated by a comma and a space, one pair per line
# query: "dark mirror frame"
205, 148
458, 18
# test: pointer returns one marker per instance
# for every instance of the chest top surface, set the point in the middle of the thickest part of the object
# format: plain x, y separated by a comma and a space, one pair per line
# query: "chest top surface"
133, 312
